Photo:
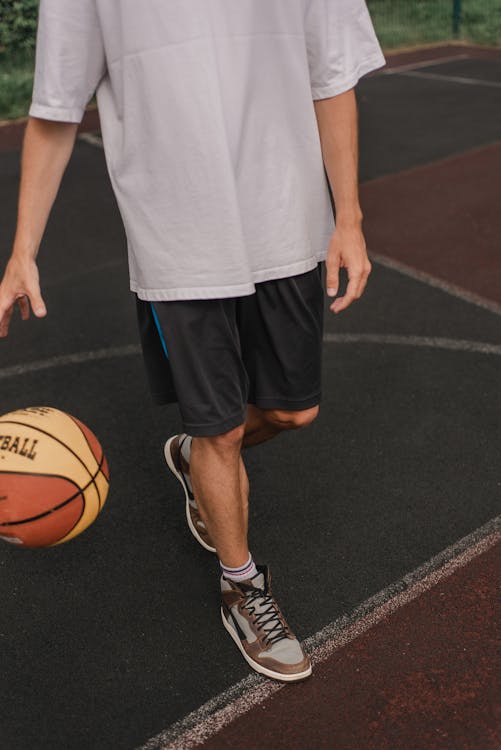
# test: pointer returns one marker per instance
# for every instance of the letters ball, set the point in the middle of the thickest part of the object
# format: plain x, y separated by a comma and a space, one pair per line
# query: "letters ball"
53, 477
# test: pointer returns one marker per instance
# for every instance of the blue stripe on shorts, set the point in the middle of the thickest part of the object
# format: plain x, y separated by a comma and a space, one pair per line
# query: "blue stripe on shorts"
157, 323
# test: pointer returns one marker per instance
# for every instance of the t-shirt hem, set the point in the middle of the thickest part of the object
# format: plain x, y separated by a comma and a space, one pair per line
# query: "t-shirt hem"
347, 83
187, 293
63, 114
232, 290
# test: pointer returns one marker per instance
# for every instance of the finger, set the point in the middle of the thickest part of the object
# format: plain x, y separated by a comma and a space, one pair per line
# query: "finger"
36, 301
4, 322
357, 281
24, 307
332, 277
351, 294
364, 276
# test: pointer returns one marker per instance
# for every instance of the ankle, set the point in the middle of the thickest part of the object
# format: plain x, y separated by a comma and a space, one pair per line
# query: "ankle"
240, 573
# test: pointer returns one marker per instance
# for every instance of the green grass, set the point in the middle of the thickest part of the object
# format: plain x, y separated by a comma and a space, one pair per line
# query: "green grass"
16, 83
398, 23
401, 23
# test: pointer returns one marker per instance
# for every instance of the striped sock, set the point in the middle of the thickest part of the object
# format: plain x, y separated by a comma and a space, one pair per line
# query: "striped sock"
242, 573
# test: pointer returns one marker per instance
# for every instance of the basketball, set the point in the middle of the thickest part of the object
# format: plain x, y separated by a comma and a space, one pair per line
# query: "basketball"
54, 477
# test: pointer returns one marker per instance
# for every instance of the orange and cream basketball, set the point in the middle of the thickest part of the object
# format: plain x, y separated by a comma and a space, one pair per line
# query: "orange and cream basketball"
54, 477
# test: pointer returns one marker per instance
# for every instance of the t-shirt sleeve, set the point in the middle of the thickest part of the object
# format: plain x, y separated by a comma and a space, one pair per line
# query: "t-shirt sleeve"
341, 45
69, 59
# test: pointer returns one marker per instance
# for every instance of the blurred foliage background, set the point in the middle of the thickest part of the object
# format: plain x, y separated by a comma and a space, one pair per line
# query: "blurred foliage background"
401, 23
18, 23
398, 23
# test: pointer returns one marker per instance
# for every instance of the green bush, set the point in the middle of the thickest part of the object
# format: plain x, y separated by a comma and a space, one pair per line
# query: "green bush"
18, 24
407, 22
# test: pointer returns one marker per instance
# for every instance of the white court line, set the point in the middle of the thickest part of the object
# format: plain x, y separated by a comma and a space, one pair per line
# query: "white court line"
92, 138
449, 79
224, 708
63, 360
434, 281
423, 64
433, 342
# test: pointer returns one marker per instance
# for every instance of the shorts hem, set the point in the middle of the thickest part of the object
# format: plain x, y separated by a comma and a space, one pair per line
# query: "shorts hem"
215, 428
288, 404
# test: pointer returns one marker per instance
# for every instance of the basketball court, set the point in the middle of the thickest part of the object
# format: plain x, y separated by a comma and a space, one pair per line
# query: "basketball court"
379, 521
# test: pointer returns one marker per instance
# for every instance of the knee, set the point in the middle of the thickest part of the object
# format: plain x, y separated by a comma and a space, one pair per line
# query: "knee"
226, 441
290, 420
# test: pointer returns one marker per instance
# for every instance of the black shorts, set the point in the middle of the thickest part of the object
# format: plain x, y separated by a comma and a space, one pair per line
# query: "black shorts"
215, 356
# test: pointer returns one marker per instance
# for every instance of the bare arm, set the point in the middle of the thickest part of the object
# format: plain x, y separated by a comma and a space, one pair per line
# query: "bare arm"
337, 120
47, 147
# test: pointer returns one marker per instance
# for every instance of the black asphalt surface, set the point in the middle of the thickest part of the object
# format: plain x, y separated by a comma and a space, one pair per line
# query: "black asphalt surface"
406, 121
108, 639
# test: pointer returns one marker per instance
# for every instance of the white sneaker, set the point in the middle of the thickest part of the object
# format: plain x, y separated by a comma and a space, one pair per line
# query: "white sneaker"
254, 620
179, 467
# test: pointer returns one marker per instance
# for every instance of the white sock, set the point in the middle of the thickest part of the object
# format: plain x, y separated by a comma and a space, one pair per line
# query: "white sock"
242, 573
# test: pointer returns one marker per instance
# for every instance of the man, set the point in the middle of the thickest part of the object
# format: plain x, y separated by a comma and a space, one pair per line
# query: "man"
224, 124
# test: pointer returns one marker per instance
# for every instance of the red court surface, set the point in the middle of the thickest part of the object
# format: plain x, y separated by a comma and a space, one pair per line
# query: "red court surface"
424, 678
443, 218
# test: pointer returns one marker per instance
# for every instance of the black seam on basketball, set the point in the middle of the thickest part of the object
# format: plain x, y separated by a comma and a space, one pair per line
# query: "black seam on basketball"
56, 507
58, 541
49, 434
99, 463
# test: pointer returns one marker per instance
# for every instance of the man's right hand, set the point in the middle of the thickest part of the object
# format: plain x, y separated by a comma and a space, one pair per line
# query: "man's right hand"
46, 150
20, 284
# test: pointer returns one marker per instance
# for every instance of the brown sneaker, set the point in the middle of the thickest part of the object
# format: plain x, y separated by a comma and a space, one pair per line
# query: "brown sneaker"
180, 468
254, 620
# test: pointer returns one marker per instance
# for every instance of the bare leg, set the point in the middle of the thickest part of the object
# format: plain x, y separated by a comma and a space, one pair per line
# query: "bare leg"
220, 486
244, 494
220, 482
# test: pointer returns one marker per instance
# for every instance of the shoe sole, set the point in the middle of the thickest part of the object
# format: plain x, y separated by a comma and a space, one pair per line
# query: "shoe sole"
259, 667
192, 527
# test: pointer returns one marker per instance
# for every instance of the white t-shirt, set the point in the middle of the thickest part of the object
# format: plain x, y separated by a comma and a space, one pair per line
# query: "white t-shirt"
208, 125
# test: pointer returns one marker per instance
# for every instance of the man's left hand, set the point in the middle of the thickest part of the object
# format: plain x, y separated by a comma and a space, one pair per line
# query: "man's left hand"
347, 250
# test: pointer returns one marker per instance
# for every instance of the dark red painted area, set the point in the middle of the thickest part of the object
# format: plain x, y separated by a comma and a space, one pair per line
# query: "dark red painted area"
443, 218
439, 51
422, 679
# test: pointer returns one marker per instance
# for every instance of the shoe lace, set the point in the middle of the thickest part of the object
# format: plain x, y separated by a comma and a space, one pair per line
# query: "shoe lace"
269, 614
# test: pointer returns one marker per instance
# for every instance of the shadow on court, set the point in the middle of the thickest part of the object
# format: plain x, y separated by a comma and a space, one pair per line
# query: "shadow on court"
109, 640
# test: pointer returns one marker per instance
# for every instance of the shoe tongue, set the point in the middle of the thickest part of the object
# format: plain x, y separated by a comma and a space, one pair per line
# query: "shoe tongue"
258, 581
